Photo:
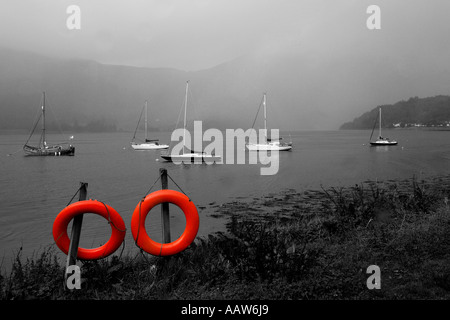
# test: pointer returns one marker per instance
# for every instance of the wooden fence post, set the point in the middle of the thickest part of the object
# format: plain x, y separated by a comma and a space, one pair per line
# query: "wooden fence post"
165, 218
76, 230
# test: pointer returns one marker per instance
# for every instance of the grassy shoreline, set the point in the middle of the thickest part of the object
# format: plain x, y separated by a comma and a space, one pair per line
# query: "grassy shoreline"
311, 245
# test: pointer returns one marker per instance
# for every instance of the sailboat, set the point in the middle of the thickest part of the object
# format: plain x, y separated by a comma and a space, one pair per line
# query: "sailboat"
148, 144
189, 156
381, 141
43, 149
269, 144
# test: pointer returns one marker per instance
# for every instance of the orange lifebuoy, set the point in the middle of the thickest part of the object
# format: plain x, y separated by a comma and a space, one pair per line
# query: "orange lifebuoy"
140, 235
89, 206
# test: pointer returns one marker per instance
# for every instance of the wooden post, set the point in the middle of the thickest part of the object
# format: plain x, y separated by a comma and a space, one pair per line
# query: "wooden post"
165, 219
76, 230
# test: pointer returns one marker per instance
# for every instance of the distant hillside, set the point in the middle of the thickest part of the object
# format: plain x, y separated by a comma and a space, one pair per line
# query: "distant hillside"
428, 112
304, 91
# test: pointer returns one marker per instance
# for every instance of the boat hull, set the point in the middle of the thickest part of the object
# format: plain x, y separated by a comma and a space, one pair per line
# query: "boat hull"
191, 158
149, 146
383, 143
55, 151
268, 147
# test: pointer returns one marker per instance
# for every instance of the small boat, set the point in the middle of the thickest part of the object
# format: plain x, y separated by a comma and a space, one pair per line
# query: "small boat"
381, 141
188, 156
269, 144
191, 157
147, 144
42, 148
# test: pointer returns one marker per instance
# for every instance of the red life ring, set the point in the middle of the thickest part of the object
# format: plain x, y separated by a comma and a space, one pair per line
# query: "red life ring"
89, 206
140, 235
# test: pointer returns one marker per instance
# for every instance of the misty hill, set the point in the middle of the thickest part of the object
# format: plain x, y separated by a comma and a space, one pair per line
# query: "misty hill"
304, 91
431, 111
78, 92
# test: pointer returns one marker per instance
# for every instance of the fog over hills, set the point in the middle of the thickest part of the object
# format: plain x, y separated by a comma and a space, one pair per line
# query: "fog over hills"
318, 62
303, 92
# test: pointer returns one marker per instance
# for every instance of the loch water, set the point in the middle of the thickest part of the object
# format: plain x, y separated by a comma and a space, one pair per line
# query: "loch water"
35, 189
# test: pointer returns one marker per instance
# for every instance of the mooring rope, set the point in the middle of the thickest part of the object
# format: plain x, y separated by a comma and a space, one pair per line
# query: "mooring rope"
139, 224
178, 187
110, 222
10, 154
75, 194
159, 177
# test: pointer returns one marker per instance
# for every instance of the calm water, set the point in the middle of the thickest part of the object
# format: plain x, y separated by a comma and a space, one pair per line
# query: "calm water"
35, 189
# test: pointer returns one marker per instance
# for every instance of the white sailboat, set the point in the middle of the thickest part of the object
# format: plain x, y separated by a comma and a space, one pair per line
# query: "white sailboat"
381, 141
148, 144
189, 156
269, 144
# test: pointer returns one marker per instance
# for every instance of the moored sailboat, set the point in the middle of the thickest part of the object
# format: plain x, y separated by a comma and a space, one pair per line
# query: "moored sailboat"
381, 141
42, 148
269, 144
189, 156
147, 144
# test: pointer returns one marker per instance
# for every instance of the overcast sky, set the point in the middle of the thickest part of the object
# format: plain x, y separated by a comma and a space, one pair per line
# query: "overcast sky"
198, 34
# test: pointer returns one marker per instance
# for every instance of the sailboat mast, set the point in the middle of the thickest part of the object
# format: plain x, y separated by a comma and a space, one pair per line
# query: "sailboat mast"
265, 116
145, 120
380, 124
185, 107
44, 143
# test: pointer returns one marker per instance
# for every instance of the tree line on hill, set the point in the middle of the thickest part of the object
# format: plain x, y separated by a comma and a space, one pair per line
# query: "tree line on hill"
414, 112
